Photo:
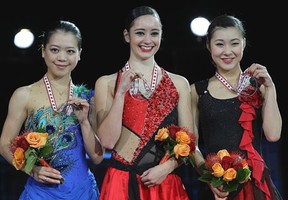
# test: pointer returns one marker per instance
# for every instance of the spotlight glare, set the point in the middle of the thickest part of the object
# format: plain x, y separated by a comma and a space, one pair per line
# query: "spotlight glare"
23, 39
199, 26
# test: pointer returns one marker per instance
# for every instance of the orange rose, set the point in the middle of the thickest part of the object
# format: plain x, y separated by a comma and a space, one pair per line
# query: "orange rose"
182, 137
222, 153
218, 170
162, 134
181, 150
18, 158
230, 174
36, 139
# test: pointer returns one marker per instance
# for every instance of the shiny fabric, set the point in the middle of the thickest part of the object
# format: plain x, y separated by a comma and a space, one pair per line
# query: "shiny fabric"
144, 117
219, 128
68, 156
116, 181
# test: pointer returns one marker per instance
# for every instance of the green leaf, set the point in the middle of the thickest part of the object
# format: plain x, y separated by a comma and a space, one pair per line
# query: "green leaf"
231, 186
30, 162
172, 142
206, 177
185, 159
192, 161
45, 151
30, 152
41, 130
216, 182
242, 174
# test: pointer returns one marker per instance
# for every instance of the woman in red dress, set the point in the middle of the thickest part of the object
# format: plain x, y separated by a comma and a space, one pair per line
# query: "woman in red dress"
132, 105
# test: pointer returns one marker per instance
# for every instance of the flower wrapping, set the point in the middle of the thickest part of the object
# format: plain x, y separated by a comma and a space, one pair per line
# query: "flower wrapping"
226, 169
177, 142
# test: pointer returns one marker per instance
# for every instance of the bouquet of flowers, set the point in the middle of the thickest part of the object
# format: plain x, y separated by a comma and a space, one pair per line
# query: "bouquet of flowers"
226, 169
28, 149
176, 142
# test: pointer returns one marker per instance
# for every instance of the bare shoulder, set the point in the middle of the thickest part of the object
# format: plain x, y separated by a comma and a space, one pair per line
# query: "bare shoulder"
22, 95
25, 91
178, 80
105, 79
105, 84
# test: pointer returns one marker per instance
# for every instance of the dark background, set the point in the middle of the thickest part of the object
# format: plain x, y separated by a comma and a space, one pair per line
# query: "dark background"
104, 52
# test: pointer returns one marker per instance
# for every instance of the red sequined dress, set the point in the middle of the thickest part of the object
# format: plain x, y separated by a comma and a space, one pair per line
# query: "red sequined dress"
136, 151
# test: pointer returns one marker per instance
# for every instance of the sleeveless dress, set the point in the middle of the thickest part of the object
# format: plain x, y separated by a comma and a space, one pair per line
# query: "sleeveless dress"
68, 156
219, 128
143, 118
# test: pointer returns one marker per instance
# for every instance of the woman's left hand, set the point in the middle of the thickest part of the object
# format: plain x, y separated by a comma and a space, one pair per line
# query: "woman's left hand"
80, 108
261, 74
153, 176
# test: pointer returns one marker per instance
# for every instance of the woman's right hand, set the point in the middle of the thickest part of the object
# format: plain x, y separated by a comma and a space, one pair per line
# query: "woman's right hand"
219, 193
46, 175
127, 79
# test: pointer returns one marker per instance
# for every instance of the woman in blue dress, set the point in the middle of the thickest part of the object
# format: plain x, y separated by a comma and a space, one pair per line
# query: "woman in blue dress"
56, 106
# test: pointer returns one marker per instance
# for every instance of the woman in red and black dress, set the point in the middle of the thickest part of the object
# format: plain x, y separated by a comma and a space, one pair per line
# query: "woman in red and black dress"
132, 105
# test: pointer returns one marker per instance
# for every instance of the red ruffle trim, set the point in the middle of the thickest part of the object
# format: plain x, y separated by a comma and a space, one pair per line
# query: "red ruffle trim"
254, 159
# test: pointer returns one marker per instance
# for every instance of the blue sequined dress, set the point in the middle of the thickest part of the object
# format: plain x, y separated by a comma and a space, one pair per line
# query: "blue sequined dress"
69, 156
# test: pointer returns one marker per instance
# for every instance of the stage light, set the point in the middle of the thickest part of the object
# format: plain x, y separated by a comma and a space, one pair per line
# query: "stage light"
24, 39
199, 26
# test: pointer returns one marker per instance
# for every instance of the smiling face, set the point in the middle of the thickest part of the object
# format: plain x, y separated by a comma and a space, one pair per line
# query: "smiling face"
226, 47
61, 53
144, 36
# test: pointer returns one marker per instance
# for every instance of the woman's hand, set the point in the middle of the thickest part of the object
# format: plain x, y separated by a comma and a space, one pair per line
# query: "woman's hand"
153, 176
261, 74
127, 80
80, 108
219, 193
46, 175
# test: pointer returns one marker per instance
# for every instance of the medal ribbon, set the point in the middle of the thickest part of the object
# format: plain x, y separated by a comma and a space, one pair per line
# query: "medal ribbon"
146, 85
241, 84
50, 92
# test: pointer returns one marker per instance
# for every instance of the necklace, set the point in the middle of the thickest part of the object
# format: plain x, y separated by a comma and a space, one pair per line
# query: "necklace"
50, 91
59, 92
148, 88
241, 83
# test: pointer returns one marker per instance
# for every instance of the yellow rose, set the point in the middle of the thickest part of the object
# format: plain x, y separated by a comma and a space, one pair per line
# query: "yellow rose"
218, 170
222, 153
36, 139
181, 150
182, 137
18, 158
230, 174
162, 134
